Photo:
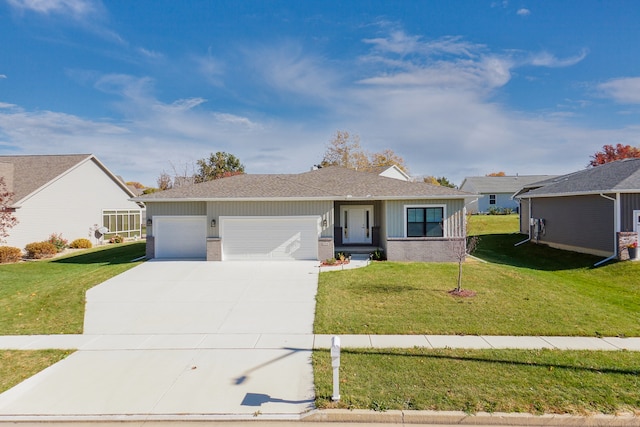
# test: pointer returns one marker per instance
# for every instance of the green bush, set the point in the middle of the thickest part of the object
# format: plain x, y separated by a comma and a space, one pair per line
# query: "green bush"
58, 241
378, 255
9, 254
81, 244
39, 250
116, 239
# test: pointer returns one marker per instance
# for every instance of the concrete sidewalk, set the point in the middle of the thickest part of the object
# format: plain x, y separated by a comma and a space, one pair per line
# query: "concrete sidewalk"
306, 342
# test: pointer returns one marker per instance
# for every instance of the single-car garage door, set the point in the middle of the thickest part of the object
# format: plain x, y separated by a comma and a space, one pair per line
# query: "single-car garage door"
270, 238
180, 236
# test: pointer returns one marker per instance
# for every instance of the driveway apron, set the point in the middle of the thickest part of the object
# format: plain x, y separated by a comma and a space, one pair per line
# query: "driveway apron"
203, 338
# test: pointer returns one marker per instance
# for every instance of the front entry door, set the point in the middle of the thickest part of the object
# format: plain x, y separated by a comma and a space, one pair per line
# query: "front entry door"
356, 224
636, 223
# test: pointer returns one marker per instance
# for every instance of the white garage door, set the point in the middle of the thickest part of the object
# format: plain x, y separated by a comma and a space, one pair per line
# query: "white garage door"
270, 238
180, 236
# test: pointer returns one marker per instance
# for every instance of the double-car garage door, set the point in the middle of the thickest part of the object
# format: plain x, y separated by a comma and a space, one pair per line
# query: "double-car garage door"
269, 238
243, 238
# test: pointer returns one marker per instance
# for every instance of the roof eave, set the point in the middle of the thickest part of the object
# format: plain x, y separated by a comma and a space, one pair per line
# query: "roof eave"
577, 193
302, 199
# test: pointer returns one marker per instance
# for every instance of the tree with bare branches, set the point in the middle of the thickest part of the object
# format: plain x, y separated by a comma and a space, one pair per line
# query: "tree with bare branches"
7, 218
345, 150
461, 248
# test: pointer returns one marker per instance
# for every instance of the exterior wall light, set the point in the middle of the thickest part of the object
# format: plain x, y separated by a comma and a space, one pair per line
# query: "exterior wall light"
213, 223
149, 222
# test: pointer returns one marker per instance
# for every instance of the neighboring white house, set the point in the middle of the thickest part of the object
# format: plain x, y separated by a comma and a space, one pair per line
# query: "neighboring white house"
72, 195
497, 191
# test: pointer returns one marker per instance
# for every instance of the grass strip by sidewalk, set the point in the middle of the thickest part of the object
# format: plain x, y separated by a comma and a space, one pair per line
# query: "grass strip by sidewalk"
529, 381
48, 296
17, 365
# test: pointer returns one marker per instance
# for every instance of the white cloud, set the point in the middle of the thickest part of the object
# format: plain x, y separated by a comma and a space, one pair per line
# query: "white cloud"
523, 12
430, 101
288, 69
624, 90
150, 53
75, 8
3, 76
212, 69
546, 59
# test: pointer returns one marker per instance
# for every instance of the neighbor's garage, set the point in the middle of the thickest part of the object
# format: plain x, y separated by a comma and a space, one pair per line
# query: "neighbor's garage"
270, 238
180, 237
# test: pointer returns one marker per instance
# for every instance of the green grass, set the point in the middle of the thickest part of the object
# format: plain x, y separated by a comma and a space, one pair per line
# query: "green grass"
48, 296
524, 290
493, 224
16, 366
533, 381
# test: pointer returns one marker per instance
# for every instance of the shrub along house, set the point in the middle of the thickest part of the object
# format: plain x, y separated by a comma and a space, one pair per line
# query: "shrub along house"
72, 195
309, 216
594, 210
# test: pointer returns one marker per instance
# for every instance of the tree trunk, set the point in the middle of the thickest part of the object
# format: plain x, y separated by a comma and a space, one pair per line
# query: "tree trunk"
459, 277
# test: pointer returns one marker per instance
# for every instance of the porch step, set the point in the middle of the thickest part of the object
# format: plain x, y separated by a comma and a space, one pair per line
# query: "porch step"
361, 250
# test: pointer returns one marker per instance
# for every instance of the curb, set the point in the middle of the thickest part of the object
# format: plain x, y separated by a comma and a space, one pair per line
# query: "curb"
462, 418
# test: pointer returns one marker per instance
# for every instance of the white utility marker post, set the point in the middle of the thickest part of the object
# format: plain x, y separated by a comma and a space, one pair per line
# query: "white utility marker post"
335, 364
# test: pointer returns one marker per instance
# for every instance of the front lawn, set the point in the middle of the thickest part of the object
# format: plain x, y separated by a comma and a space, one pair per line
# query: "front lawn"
524, 290
534, 381
48, 296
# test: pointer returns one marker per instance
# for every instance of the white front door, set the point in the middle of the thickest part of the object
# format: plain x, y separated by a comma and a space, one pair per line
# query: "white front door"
636, 223
356, 224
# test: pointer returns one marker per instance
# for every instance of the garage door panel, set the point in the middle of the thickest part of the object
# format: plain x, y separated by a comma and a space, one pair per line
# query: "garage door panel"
180, 237
270, 238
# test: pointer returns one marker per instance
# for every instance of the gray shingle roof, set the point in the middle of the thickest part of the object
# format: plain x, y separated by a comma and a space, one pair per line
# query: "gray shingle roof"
620, 176
329, 183
26, 174
500, 184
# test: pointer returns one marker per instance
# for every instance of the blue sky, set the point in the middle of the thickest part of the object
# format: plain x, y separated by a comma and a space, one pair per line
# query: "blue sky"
457, 88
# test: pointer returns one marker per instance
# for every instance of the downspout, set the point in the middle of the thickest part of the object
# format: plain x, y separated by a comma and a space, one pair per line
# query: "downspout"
616, 227
529, 226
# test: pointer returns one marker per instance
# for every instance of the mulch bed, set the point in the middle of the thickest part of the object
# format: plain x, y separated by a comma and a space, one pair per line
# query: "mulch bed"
463, 293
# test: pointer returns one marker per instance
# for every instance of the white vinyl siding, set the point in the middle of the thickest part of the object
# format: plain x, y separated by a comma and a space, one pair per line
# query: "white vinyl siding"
270, 238
454, 216
70, 205
181, 237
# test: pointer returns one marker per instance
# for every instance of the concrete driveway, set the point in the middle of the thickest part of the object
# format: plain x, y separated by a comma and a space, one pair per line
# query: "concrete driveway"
203, 339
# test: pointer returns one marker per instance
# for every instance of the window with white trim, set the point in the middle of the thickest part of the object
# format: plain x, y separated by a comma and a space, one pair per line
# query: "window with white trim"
123, 222
425, 221
492, 199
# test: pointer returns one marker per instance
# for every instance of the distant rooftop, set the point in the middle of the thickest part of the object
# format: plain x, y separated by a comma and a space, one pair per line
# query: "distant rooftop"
500, 184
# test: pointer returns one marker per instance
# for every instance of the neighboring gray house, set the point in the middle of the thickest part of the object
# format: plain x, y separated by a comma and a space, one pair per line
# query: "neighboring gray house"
594, 210
67, 194
497, 191
309, 215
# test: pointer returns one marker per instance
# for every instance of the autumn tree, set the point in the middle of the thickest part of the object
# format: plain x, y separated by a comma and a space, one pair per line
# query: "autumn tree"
345, 150
164, 181
612, 153
496, 174
442, 181
431, 180
136, 184
218, 165
7, 218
